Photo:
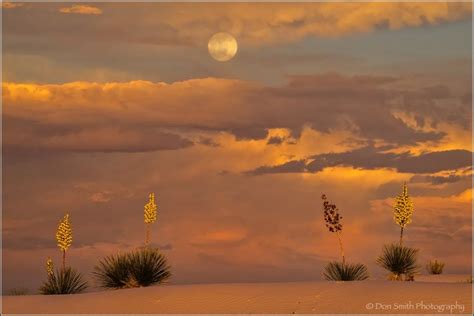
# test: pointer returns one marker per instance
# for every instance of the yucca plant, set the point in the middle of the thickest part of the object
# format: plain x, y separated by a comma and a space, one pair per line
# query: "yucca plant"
435, 267
338, 271
142, 267
400, 261
63, 281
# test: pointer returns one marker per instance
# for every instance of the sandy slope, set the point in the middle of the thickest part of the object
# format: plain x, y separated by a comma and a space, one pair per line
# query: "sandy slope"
285, 298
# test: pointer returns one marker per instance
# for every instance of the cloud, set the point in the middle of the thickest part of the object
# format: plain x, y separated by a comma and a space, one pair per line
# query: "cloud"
101, 197
146, 116
11, 5
250, 23
374, 158
439, 179
294, 166
225, 238
24, 135
81, 9
275, 140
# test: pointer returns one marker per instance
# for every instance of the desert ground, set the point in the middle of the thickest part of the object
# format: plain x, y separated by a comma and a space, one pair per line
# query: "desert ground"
442, 294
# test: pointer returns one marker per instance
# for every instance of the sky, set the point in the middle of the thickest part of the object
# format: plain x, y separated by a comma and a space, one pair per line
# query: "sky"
104, 103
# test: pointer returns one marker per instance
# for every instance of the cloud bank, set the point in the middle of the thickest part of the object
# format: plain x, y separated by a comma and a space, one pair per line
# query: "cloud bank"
143, 116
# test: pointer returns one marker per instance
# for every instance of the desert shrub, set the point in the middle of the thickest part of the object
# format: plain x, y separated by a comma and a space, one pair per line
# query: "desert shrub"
113, 271
142, 267
338, 271
400, 261
63, 281
149, 266
17, 291
435, 267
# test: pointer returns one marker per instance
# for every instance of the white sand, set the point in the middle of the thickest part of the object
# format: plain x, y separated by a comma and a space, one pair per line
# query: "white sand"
283, 298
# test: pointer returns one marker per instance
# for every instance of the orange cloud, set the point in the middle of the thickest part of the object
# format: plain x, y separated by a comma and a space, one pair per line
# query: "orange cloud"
101, 197
11, 5
221, 236
285, 122
457, 137
262, 23
257, 23
81, 9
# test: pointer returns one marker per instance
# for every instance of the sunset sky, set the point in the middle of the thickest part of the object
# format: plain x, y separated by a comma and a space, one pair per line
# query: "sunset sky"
104, 103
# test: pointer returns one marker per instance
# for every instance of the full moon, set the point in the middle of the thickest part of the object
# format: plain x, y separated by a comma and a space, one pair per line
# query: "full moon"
222, 46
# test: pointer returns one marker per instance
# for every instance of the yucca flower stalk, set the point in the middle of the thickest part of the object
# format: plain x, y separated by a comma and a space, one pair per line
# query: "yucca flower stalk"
150, 216
403, 210
49, 267
64, 236
333, 222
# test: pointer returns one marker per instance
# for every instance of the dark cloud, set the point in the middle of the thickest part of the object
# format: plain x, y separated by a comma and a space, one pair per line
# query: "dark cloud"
208, 141
330, 100
294, 166
22, 136
439, 103
275, 140
373, 158
439, 179
249, 132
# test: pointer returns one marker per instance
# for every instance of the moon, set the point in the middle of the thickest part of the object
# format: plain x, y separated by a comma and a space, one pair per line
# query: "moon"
222, 46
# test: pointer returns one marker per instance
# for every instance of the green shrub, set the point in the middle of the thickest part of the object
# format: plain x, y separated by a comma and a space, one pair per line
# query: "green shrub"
142, 267
338, 271
435, 267
400, 261
64, 281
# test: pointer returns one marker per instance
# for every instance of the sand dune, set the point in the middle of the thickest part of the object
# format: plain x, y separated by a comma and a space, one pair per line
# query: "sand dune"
449, 294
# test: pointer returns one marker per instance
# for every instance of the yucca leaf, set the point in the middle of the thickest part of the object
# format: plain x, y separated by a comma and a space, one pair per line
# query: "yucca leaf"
338, 271
64, 281
142, 267
399, 260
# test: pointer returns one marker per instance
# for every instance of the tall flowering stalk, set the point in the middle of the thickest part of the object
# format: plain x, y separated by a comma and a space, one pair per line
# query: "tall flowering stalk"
64, 236
333, 222
150, 215
50, 267
403, 210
